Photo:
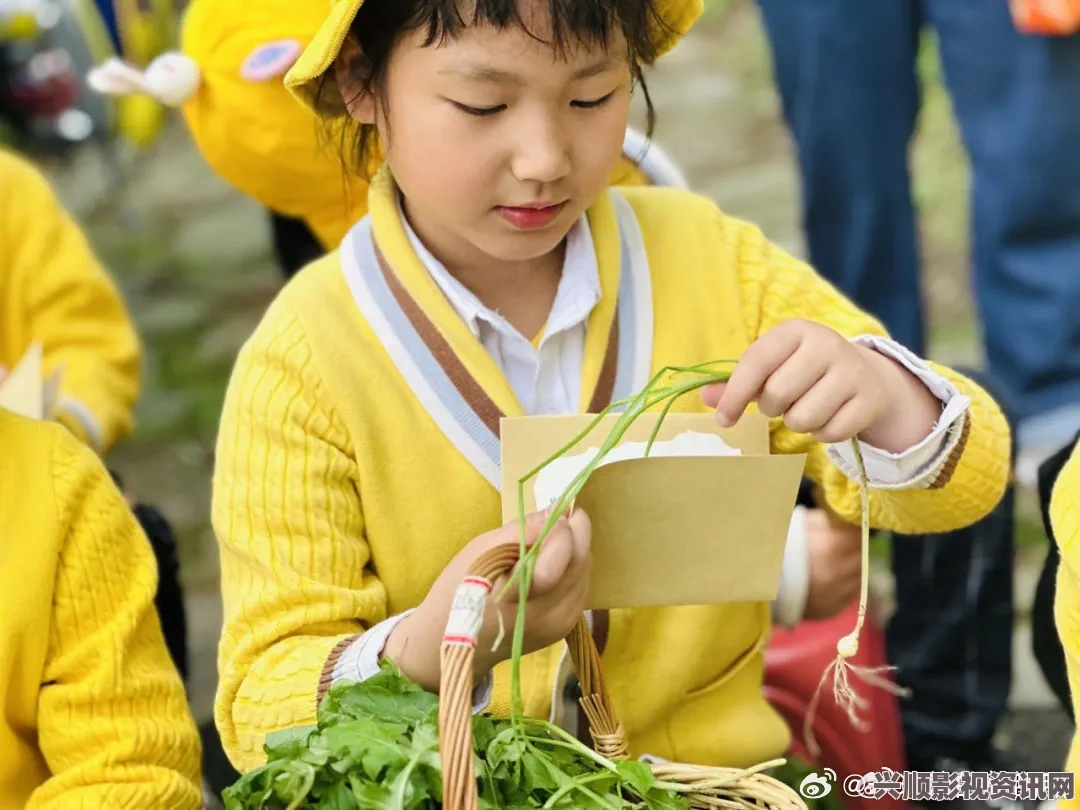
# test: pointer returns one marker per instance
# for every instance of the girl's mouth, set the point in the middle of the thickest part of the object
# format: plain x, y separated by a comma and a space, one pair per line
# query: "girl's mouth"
530, 217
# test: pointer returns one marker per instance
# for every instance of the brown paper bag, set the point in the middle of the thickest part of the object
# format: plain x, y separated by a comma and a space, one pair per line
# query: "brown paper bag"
670, 530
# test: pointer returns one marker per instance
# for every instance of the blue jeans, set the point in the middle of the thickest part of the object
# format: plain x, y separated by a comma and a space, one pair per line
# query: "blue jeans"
846, 73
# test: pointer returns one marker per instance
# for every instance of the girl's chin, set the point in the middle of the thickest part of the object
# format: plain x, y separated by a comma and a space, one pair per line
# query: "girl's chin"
522, 247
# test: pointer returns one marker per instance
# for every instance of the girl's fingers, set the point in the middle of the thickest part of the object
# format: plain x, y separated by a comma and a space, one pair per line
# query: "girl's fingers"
817, 407
848, 422
789, 383
753, 369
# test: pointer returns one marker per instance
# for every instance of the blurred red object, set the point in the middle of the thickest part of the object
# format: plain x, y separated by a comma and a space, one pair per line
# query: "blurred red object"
794, 663
1046, 17
45, 85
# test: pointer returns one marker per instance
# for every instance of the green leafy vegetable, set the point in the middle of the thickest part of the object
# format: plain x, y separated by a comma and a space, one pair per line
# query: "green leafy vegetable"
376, 747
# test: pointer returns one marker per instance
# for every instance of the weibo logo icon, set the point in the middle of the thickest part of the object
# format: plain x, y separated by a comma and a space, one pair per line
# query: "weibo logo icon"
815, 786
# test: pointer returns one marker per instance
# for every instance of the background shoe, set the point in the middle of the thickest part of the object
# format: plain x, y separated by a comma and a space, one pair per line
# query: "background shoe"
988, 761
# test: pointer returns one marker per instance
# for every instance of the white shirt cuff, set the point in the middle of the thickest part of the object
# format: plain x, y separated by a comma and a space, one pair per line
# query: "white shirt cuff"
360, 660
789, 607
918, 466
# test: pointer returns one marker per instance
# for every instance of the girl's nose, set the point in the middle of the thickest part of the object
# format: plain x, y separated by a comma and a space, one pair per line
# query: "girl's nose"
543, 156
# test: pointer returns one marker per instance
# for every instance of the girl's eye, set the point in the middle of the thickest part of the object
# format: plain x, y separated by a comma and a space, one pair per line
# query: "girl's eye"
590, 105
479, 111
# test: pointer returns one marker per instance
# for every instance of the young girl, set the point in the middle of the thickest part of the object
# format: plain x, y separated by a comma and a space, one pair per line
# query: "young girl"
96, 714
496, 273
54, 292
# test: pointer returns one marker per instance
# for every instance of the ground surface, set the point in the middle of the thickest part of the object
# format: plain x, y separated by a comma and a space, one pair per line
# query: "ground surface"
194, 261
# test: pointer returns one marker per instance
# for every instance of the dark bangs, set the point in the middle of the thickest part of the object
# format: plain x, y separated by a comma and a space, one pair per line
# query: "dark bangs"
570, 22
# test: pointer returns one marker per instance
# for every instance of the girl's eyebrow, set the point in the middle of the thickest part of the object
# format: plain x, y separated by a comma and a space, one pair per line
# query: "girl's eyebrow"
482, 72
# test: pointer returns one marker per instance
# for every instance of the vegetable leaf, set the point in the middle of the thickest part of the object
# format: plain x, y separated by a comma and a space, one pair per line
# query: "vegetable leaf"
638, 774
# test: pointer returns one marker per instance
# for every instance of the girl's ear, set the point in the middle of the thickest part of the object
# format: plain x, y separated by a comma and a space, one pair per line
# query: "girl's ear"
353, 74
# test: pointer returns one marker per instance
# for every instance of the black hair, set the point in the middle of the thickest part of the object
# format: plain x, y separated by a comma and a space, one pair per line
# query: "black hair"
380, 23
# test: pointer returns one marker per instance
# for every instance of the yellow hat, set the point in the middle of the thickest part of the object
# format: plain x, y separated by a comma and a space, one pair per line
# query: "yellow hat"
227, 83
249, 128
303, 78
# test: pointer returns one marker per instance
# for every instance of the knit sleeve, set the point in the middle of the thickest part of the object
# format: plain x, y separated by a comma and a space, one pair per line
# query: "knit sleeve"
73, 309
1065, 522
296, 581
776, 287
113, 720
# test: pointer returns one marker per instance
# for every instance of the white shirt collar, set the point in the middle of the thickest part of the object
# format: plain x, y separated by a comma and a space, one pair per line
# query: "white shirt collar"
578, 292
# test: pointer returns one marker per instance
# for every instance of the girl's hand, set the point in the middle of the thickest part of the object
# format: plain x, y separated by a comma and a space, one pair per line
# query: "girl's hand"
556, 600
824, 385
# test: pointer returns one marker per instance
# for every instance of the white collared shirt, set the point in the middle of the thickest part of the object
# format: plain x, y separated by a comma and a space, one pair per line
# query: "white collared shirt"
546, 377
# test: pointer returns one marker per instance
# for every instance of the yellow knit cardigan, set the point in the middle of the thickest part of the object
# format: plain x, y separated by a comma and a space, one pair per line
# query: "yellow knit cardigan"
338, 500
95, 715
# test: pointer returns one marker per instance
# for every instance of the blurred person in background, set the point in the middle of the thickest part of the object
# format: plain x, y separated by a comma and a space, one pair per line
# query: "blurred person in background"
95, 712
850, 90
847, 77
54, 292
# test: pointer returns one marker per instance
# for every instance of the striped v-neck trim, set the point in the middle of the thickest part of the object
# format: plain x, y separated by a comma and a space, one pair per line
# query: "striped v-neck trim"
456, 401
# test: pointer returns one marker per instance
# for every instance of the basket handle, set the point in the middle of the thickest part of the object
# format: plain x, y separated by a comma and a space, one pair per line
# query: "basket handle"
456, 681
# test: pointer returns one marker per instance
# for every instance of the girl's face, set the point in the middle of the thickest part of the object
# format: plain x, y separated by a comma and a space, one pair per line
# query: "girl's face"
497, 142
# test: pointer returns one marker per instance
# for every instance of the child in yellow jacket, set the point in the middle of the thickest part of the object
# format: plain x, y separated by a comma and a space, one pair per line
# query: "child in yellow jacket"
1065, 521
497, 274
96, 713
54, 292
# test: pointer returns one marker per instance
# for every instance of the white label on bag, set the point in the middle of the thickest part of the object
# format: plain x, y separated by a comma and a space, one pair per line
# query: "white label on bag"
467, 612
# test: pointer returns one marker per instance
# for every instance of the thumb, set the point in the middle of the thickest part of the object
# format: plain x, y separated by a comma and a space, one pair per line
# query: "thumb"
511, 532
581, 529
556, 554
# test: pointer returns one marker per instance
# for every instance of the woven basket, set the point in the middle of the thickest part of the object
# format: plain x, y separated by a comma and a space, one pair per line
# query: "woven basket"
703, 787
